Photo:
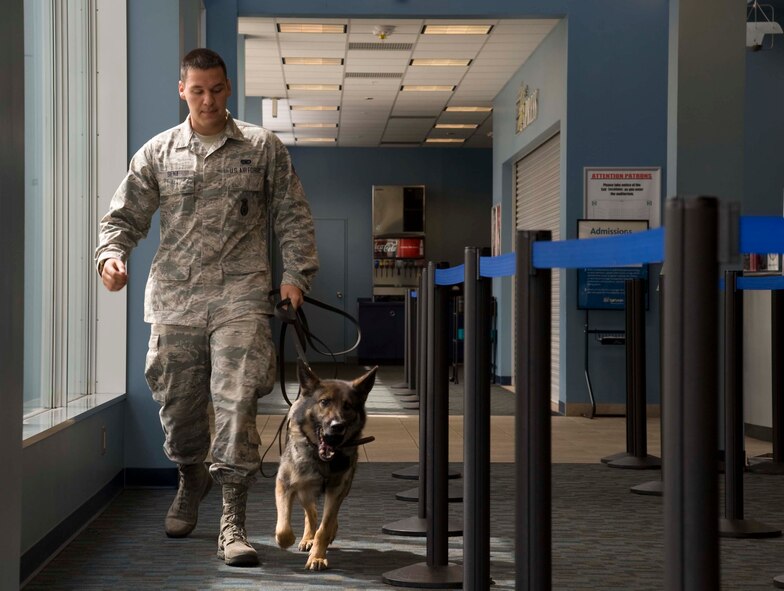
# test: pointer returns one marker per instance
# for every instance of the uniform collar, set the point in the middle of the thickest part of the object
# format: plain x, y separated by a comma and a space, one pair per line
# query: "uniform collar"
231, 131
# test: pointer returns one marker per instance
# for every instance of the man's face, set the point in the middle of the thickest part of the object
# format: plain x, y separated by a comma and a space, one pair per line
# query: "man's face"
206, 92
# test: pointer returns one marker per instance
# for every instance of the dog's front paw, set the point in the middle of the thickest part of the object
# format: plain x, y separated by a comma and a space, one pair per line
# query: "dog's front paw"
284, 538
305, 544
316, 563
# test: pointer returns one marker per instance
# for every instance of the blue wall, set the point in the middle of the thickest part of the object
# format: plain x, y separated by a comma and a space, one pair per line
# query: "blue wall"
153, 106
763, 187
611, 110
458, 183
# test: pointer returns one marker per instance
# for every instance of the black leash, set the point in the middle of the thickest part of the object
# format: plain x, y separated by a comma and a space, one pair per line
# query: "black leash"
297, 319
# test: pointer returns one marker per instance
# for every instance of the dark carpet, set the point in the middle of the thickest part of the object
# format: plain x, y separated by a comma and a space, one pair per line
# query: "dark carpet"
603, 538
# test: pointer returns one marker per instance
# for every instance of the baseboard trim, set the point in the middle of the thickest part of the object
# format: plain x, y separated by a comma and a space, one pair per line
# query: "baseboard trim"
759, 432
503, 380
52, 543
151, 478
583, 409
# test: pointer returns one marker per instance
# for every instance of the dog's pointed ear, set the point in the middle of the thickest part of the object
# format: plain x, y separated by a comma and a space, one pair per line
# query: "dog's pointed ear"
364, 383
307, 379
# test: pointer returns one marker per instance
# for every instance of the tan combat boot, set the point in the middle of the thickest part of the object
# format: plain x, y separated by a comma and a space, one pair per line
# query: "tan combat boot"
233, 546
195, 483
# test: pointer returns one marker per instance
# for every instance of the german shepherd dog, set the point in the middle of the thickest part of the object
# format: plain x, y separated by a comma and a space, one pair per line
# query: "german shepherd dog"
320, 456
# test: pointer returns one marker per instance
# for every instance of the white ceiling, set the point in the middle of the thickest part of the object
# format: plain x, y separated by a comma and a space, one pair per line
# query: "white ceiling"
373, 110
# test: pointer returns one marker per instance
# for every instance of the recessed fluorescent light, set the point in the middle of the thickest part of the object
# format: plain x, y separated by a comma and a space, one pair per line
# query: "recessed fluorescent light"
310, 28
468, 109
314, 125
314, 107
456, 29
444, 140
316, 139
424, 61
313, 86
457, 125
313, 61
426, 88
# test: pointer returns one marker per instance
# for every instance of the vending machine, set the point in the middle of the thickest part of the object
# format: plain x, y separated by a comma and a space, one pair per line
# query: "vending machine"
398, 239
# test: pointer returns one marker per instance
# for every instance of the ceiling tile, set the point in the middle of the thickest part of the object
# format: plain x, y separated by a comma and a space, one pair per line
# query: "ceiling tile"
363, 122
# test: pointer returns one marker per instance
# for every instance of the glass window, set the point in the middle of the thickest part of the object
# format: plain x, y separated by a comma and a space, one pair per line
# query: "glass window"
59, 185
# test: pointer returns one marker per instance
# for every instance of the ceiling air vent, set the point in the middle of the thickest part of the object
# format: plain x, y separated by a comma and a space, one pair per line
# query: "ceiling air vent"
374, 74
381, 46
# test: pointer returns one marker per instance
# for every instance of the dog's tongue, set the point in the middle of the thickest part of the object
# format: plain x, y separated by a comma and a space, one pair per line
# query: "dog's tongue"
325, 451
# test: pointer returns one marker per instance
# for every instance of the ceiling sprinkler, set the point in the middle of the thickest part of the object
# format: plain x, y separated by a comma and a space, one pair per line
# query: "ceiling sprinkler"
383, 31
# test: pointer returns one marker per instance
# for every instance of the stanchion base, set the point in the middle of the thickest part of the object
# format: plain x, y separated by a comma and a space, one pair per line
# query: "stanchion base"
409, 398
412, 473
778, 582
400, 385
634, 463
416, 527
776, 468
422, 576
454, 493
653, 488
612, 458
746, 528
404, 392
410, 405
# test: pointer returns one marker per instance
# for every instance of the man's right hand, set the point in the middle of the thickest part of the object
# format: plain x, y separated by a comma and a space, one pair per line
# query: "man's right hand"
114, 275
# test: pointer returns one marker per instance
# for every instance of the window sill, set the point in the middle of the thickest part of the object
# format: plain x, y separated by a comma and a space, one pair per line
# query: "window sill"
48, 423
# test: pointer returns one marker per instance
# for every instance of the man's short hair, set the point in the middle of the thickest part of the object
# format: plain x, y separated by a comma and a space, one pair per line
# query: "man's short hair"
201, 59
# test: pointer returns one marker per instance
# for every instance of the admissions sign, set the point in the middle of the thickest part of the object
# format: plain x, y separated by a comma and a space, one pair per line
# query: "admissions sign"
604, 288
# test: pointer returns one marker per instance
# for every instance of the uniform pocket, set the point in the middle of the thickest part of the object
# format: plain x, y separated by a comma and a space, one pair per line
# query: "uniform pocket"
153, 368
175, 185
245, 200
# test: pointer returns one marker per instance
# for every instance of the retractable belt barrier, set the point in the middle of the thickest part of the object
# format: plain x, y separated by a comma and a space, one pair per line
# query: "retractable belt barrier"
689, 383
758, 234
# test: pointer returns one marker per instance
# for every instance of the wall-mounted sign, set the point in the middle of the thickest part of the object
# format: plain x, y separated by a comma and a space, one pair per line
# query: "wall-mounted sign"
495, 230
623, 194
604, 288
527, 107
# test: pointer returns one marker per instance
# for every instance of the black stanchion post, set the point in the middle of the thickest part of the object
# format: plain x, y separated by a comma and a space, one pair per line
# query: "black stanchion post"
630, 378
776, 463
419, 350
454, 493
407, 389
733, 525
691, 544
533, 470
417, 526
655, 488
476, 426
636, 405
436, 571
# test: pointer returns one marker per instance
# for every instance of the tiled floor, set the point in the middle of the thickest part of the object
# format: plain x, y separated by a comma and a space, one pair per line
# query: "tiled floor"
575, 440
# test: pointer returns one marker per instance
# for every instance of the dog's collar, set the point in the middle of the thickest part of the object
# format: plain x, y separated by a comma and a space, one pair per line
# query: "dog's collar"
358, 442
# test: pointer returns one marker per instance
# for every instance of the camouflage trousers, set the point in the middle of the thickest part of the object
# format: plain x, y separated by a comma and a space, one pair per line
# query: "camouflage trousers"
232, 365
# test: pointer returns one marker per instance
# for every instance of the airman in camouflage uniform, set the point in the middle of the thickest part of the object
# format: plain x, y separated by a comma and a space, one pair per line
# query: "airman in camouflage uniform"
216, 182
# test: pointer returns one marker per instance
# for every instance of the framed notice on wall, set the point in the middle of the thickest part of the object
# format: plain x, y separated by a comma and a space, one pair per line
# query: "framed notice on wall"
604, 288
623, 194
495, 230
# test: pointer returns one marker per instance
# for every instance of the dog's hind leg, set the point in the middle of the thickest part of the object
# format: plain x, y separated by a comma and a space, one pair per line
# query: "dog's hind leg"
284, 497
308, 500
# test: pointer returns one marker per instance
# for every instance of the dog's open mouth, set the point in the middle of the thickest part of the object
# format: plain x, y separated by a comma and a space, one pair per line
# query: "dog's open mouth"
325, 450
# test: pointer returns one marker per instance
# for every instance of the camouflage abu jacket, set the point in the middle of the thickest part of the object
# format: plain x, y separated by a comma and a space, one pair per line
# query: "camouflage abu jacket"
212, 259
